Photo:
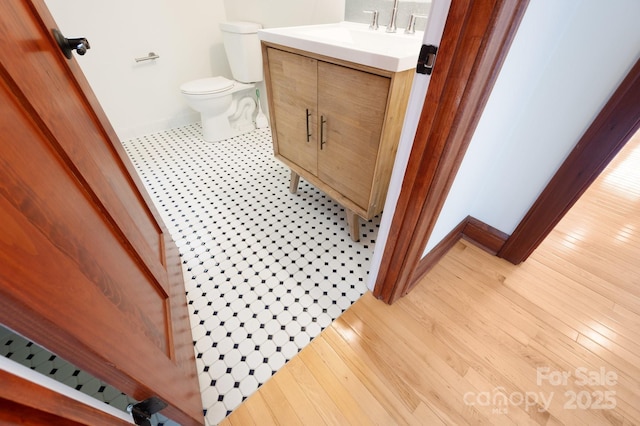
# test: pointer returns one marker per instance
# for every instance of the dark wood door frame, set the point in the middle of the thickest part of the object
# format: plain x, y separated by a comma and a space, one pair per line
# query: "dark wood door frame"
610, 131
475, 42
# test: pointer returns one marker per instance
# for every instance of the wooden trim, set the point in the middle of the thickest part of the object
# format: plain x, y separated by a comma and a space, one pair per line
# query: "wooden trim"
613, 127
471, 229
437, 253
24, 402
476, 39
484, 236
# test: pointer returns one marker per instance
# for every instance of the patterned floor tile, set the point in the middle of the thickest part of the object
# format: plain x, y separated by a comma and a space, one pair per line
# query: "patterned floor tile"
265, 270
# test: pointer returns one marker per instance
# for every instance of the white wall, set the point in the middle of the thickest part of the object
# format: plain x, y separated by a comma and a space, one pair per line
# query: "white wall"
565, 62
141, 98
145, 97
285, 13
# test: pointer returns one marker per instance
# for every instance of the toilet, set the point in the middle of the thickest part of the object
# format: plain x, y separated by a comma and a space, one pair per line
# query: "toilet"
226, 106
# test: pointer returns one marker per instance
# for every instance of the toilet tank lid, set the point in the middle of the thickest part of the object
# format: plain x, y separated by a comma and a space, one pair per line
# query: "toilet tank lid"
240, 27
207, 86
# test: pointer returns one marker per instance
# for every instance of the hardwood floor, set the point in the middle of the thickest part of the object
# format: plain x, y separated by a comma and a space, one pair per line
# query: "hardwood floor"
555, 340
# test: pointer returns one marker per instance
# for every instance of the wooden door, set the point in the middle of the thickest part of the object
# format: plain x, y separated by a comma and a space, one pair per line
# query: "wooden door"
294, 114
351, 106
87, 268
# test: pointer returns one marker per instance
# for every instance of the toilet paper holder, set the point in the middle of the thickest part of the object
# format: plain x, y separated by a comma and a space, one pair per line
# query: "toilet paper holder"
149, 57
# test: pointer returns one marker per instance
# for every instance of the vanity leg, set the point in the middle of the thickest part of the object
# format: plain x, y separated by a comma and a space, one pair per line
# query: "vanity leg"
293, 185
353, 220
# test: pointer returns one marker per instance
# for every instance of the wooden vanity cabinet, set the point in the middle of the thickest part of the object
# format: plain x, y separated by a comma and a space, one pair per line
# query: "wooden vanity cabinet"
336, 124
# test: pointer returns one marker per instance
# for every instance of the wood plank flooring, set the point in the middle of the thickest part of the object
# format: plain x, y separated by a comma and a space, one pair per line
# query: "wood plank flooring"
555, 340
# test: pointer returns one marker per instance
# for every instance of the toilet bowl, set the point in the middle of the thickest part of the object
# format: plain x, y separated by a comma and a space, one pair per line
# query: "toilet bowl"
227, 107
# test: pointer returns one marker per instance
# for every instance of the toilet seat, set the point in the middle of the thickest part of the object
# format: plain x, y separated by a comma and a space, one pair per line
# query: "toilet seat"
207, 86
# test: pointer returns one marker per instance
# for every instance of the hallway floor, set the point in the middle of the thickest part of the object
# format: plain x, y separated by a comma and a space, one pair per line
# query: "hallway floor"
265, 270
552, 341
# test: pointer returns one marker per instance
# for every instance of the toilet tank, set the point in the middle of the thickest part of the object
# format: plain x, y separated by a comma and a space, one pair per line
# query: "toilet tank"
242, 45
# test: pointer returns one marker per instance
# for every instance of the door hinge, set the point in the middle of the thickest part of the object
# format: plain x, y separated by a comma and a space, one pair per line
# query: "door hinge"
142, 411
426, 59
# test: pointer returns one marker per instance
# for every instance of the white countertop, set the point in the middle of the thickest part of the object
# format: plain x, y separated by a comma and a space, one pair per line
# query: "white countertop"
352, 42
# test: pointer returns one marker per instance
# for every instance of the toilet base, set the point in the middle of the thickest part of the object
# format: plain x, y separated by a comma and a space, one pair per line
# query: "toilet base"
236, 121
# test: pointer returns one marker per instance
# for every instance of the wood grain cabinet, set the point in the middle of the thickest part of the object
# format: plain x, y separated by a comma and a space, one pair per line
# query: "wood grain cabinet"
336, 124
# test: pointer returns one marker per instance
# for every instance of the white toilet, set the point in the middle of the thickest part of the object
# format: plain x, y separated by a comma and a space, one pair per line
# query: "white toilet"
226, 106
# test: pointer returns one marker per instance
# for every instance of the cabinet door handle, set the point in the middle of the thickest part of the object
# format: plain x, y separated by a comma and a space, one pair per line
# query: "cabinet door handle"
322, 123
308, 130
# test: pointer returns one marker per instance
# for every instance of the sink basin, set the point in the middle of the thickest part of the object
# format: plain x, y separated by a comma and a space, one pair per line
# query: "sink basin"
352, 42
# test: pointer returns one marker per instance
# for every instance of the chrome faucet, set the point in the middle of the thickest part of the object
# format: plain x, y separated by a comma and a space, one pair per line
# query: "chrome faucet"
374, 19
411, 28
391, 28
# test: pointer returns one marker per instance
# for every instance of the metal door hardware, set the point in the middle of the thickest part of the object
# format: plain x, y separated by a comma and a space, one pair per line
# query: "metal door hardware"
426, 59
80, 45
142, 411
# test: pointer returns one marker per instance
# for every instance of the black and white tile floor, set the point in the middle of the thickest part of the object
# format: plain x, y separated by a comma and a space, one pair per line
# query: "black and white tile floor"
265, 270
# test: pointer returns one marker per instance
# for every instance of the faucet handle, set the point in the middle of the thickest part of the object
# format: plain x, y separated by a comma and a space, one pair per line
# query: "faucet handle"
374, 19
411, 28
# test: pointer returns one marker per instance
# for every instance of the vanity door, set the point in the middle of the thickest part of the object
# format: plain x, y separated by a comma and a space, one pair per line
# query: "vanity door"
351, 106
294, 98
